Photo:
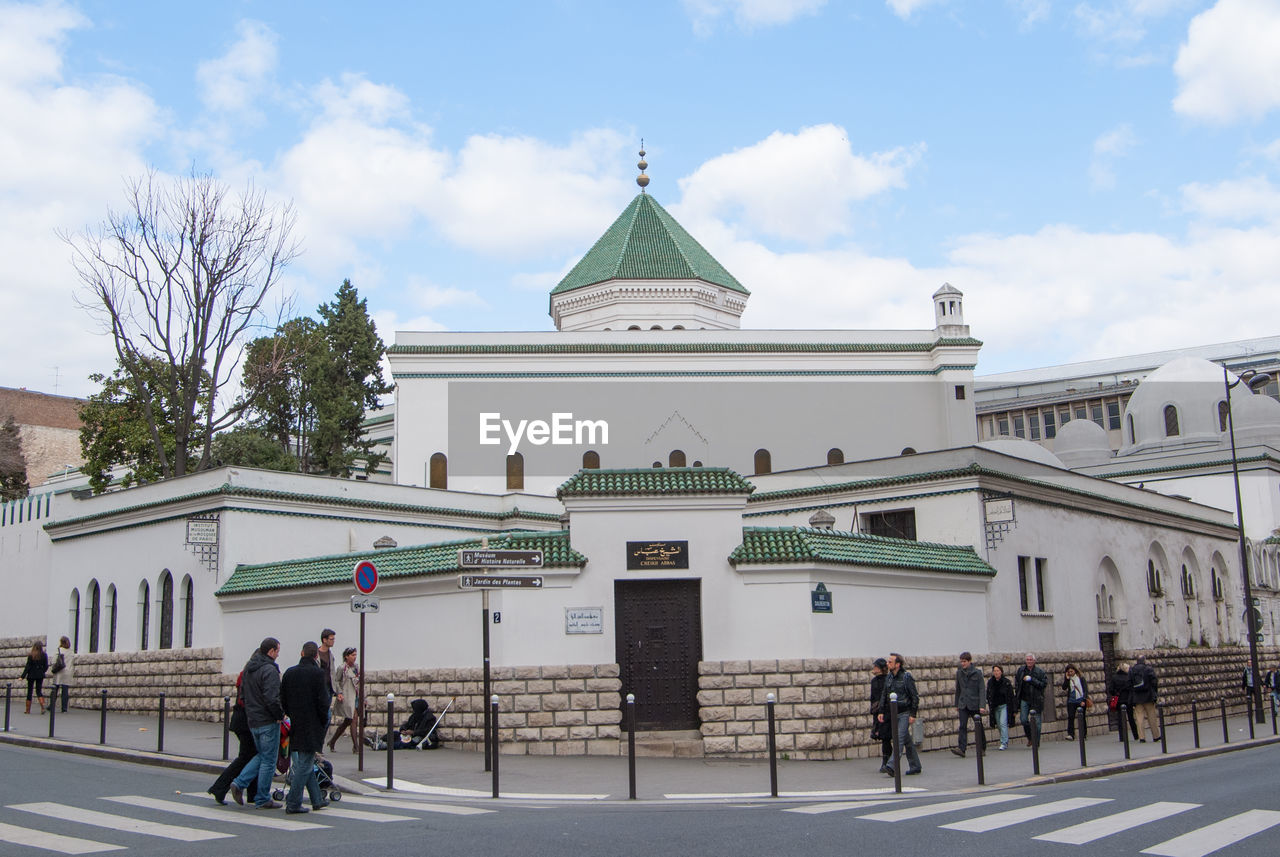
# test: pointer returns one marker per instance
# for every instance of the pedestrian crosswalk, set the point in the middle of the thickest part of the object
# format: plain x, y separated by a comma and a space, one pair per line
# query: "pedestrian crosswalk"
985, 814
114, 822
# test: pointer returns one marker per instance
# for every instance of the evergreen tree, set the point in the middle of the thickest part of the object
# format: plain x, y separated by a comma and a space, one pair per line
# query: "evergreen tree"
245, 446
276, 382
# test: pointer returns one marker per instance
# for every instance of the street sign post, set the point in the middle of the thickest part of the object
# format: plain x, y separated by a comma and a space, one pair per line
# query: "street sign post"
499, 559
499, 581
365, 578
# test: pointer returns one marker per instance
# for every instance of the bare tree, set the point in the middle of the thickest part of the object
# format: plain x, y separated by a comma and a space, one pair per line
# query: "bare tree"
179, 276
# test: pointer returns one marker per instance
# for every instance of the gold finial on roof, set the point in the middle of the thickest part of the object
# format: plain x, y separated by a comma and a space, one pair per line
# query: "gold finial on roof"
642, 179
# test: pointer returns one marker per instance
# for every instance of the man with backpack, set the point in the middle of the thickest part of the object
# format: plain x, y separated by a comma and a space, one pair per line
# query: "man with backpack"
1143, 687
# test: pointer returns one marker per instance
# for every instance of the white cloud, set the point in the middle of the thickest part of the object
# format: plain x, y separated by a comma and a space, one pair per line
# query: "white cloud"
1236, 200
1123, 20
795, 186
749, 14
429, 296
1229, 66
906, 8
1107, 148
61, 166
232, 82
1031, 12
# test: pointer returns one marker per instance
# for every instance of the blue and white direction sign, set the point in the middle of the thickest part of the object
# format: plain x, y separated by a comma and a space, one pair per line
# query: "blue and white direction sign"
365, 577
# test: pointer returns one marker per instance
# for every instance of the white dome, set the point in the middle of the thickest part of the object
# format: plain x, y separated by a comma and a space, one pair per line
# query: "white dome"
1257, 419
1176, 406
1019, 448
1081, 443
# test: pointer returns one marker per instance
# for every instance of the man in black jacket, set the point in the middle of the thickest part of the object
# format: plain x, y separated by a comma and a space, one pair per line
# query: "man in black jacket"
900, 682
1143, 688
261, 687
1029, 684
305, 697
969, 693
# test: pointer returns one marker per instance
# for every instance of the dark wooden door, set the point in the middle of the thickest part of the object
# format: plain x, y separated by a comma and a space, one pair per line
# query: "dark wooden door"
659, 644
1107, 645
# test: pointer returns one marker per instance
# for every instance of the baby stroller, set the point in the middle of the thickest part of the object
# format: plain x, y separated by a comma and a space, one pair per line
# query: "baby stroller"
416, 733
323, 768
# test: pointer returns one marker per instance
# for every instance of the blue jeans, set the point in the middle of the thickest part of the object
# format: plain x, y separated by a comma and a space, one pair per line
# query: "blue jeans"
263, 766
302, 772
1002, 723
908, 746
1024, 717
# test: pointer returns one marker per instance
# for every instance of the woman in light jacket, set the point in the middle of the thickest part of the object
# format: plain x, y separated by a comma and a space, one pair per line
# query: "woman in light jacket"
346, 700
62, 678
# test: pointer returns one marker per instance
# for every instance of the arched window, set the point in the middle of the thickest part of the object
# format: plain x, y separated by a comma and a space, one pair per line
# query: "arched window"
166, 610
676, 458
908, 450
1132, 436
657, 465
73, 617
1222, 415
835, 455
95, 614
590, 460
112, 610
656, 327
763, 462
1171, 421
1153, 579
438, 471
634, 327
188, 611
697, 464
515, 472
144, 616
1188, 584
1215, 583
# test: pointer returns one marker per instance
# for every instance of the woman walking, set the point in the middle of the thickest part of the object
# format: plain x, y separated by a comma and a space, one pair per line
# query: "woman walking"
1077, 695
62, 673
346, 701
34, 672
999, 698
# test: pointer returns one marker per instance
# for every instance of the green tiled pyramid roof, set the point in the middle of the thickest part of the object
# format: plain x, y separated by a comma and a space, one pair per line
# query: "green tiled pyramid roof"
652, 481
786, 545
646, 243
421, 560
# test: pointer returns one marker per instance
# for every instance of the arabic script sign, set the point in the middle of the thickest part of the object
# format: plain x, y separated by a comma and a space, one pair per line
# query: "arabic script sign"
650, 555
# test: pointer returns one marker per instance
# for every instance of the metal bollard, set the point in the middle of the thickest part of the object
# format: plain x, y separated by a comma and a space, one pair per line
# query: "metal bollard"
631, 746
53, 707
980, 744
1164, 738
102, 719
391, 741
160, 729
1124, 729
1226, 736
493, 707
1084, 759
1034, 717
226, 727
770, 700
8, 700
897, 743
1195, 724
1249, 706
1274, 731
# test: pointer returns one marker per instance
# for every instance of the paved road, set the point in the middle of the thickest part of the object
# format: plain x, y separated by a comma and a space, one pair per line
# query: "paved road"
54, 803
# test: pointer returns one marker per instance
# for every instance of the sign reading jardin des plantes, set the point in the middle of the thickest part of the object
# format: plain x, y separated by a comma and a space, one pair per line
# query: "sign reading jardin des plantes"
650, 555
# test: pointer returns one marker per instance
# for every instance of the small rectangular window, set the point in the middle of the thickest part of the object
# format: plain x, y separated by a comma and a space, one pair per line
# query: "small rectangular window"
1064, 417
959, 392
1040, 599
1050, 430
1095, 414
1113, 415
900, 524
1023, 572
1082, 413
1018, 429
1033, 423
1003, 425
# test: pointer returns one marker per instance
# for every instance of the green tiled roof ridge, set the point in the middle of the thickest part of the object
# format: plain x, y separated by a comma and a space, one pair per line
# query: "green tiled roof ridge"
778, 545
685, 347
646, 243
648, 481
399, 562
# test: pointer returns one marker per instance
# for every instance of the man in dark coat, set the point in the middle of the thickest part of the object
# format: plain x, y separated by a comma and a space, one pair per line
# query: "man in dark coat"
879, 671
1143, 689
305, 698
1029, 684
900, 682
260, 684
969, 693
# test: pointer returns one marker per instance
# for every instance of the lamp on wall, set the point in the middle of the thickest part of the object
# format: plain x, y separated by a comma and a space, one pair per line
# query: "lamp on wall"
1253, 626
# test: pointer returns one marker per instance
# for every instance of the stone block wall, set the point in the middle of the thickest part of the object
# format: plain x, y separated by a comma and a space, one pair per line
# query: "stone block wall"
572, 710
1205, 674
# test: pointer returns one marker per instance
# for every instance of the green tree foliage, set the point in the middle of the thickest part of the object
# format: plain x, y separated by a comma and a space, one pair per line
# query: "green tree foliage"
13, 464
117, 428
245, 446
277, 385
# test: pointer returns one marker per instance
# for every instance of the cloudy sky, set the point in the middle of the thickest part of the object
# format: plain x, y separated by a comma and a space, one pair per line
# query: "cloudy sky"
1098, 177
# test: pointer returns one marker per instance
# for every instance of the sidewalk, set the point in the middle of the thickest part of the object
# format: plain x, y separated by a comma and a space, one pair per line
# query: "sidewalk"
456, 774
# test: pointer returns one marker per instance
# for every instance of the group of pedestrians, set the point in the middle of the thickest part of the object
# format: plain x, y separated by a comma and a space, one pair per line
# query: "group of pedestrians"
307, 694
1134, 691
38, 668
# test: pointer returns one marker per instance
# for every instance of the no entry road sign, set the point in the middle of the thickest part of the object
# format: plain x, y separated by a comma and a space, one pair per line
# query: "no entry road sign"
365, 577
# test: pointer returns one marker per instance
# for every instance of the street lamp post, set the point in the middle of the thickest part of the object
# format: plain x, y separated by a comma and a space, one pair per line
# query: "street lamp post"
1253, 381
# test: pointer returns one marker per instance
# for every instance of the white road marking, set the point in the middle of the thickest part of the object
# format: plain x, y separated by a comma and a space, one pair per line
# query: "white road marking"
1210, 838
984, 823
1108, 825
332, 811
414, 805
275, 819
419, 788
849, 793
53, 841
939, 808
118, 822
835, 806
